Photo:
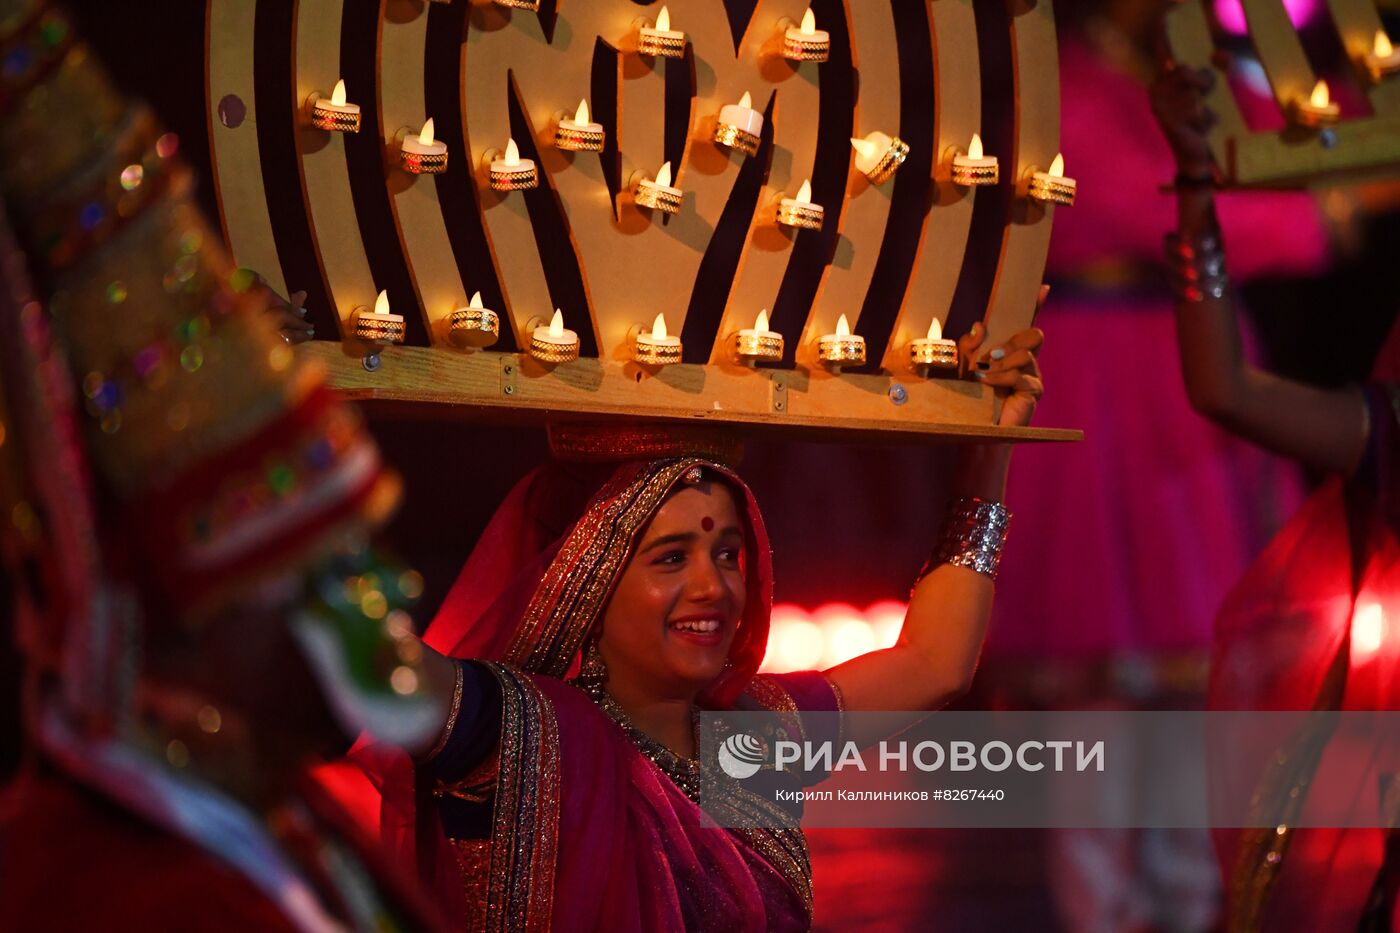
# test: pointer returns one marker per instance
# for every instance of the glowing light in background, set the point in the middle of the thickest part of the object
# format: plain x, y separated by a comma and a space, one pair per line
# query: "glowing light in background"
1367, 631
830, 634
1231, 14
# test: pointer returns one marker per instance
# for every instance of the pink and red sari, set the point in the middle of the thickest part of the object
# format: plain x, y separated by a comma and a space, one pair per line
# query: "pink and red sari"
1312, 626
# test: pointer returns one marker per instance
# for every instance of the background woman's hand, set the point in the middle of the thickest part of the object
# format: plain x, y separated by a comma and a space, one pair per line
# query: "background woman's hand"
1179, 103
1011, 368
288, 314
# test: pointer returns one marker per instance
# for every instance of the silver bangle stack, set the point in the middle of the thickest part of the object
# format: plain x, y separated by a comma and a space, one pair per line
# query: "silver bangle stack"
1197, 267
973, 536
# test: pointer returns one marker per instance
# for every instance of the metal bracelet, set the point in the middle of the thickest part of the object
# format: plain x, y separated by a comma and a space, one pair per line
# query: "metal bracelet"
973, 535
1197, 267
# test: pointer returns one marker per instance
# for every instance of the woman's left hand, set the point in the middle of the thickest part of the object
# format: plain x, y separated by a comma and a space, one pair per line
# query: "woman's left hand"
1011, 368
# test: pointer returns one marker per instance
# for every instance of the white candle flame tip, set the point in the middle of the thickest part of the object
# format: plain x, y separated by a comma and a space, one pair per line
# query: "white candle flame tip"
658, 327
581, 115
556, 324
1320, 96
974, 148
1381, 47
476, 301
663, 20
512, 156
865, 148
760, 323
935, 330
663, 175
381, 303
426, 136
843, 327
338, 95
809, 23
805, 192
746, 101
1057, 167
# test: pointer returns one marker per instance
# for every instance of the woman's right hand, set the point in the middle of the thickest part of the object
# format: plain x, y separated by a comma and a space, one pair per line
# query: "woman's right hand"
1179, 102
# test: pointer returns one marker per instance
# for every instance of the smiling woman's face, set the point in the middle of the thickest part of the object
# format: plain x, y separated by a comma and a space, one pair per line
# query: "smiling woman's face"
673, 615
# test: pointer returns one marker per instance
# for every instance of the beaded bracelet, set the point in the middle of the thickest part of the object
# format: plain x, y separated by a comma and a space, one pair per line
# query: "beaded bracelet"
1197, 266
973, 536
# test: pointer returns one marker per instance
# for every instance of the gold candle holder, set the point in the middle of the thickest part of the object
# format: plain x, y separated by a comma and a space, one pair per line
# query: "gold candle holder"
553, 342
758, 344
842, 347
1052, 187
379, 326
1318, 110
510, 172
657, 194
801, 211
933, 352
475, 325
805, 42
657, 348
579, 134
423, 154
335, 114
879, 156
739, 126
660, 40
973, 168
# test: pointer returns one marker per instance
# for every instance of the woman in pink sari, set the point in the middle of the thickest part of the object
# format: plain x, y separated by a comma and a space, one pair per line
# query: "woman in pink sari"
606, 604
1306, 629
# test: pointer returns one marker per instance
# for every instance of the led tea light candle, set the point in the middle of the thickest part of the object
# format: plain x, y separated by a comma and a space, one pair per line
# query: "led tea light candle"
739, 126
531, 5
879, 156
1052, 186
512, 173
842, 346
933, 352
800, 211
657, 348
553, 342
335, 114
974, 168
1383, 57
660, 39
423, 154
1319, 109
379, 326
658, 194
475, 325
758, 343
806, 43
579, 134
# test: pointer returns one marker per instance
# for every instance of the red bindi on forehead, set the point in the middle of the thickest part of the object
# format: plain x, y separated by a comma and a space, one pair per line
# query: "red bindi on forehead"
707, 523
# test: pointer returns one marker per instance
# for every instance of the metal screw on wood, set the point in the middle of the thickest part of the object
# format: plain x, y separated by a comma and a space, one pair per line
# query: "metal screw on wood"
372, 362
898, 394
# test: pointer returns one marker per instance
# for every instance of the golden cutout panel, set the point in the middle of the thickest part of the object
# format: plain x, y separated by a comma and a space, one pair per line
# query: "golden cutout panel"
634, 262
1297, 155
